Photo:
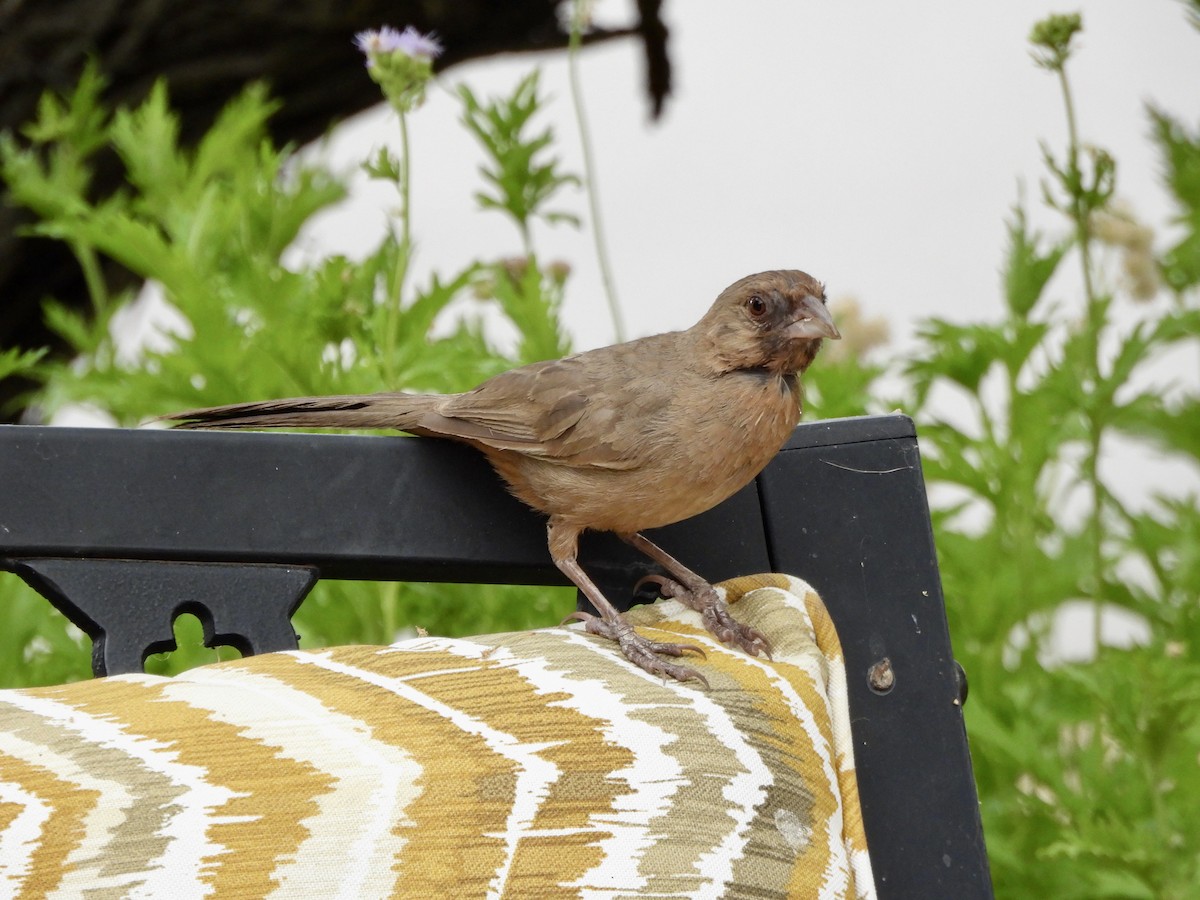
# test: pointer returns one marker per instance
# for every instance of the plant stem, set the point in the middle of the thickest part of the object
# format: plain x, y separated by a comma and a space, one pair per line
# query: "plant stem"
1083, 232
97, 288
396, 295
405, 182
527, 242
1091, 381
589, 170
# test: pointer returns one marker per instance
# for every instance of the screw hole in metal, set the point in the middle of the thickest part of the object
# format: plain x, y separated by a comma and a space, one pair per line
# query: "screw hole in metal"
881, 677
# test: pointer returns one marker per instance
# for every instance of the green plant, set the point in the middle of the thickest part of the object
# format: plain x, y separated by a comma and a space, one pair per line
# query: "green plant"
1086, 764
1086, 769
211, 227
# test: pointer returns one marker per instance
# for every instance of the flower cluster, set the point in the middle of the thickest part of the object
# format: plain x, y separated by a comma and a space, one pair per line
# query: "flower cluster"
1052, 39
1117, 226
400, 62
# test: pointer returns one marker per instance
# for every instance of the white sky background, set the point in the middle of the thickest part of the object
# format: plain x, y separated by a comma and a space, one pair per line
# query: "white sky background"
879, 146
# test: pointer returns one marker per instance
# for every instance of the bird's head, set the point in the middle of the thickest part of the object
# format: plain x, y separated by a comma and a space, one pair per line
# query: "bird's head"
773, 320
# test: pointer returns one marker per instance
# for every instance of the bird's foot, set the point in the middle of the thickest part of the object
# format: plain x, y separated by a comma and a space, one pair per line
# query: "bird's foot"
704, 599
642, 651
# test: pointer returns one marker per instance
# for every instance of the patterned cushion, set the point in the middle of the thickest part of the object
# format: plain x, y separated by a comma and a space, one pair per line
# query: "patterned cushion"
525, 765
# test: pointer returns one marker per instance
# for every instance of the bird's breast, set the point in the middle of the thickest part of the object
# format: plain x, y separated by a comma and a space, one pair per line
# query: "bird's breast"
712, 439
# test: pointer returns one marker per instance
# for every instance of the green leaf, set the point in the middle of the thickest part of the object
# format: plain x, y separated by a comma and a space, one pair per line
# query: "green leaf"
15, 361
147, 140
531, 299
523, 178
1181, 263
1174, 429
1121, 883
1181, 157
70, 324
1180, 151
960, 353
76, 120
240, 129
840, 387
1028, 269
383, 166
50, 189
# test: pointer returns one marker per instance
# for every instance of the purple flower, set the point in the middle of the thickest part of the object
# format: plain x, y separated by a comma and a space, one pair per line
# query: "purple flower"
386, 38
414, 43
410, 42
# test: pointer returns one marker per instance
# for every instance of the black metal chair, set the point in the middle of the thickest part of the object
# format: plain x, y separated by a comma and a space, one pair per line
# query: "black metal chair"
124, 530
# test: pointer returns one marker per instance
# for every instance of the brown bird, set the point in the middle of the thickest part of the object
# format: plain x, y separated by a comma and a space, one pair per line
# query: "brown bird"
622, 439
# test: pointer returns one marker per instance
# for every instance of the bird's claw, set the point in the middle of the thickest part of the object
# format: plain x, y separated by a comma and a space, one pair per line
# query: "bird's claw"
641, 651
714, 612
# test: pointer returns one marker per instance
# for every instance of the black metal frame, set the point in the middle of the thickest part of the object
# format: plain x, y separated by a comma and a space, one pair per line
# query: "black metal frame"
124, 530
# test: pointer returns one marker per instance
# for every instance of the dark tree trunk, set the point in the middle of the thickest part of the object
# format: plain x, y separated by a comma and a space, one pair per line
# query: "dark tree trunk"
208, 50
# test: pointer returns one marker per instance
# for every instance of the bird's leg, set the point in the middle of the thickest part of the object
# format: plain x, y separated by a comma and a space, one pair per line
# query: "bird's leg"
688, 587
564, 543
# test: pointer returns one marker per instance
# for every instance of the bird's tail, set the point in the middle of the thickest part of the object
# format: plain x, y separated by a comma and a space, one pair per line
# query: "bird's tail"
393, 410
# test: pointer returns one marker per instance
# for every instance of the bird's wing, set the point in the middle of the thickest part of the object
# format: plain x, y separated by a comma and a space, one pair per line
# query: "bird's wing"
529, 405
559, 410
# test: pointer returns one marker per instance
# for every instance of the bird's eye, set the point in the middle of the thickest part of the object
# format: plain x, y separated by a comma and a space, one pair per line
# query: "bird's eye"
756, 306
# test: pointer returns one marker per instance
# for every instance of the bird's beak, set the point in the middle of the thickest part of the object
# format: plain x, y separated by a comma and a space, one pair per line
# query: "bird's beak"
813, 321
